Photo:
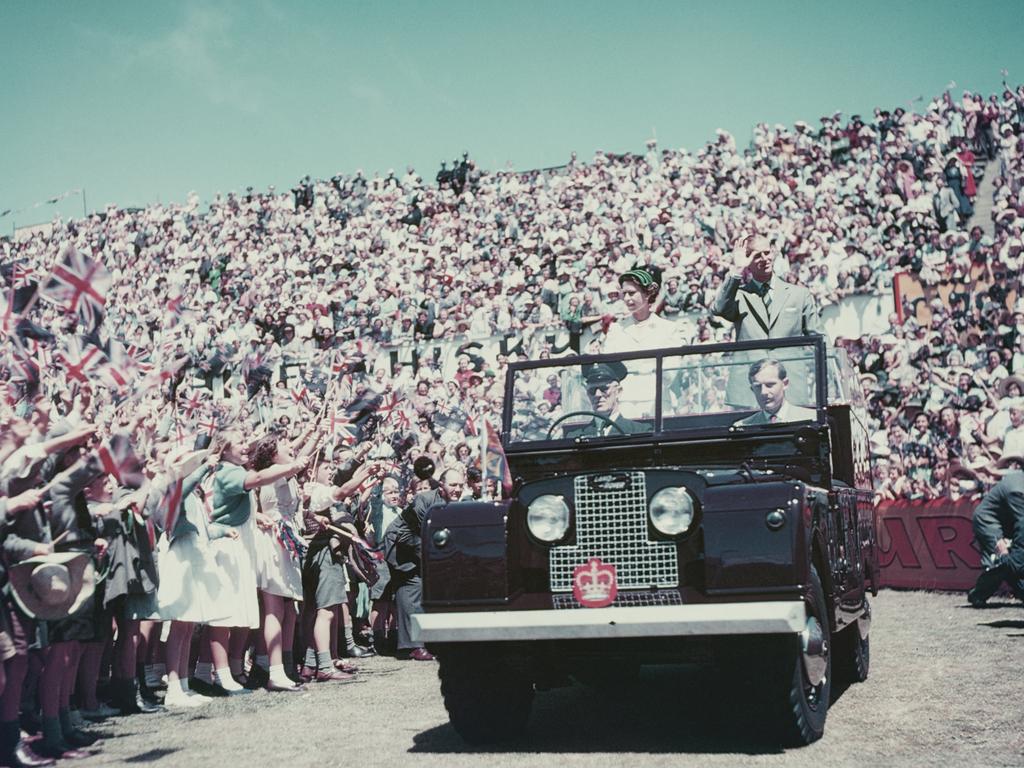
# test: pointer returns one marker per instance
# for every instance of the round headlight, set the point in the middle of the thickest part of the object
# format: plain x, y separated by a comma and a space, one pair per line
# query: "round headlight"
548, 517
672, 510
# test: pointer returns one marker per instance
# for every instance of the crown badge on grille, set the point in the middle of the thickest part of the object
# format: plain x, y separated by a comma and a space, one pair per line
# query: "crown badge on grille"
595, 584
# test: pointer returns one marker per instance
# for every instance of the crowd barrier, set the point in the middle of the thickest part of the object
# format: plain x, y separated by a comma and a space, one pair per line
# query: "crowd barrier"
928, 545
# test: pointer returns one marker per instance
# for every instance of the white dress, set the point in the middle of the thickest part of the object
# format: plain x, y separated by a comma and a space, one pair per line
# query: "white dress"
278, 561
190, 579
236, 567
235, 558
627, 335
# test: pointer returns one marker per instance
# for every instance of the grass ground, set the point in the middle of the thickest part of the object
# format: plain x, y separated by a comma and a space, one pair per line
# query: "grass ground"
946, 688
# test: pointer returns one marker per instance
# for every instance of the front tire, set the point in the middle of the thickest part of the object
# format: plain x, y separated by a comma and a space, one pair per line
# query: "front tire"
488, 693
805, 684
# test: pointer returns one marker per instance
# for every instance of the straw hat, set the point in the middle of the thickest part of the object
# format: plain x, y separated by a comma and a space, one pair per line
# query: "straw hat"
1005, 383
53, 586
1010, 463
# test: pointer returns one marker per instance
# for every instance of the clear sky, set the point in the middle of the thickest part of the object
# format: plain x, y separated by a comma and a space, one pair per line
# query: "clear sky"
144, 101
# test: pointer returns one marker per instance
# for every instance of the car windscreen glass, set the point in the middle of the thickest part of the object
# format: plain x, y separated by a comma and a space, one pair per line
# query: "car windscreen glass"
761, 386
573, 400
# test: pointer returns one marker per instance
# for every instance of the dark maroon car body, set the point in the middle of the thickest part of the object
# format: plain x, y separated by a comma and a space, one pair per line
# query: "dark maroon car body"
781, 549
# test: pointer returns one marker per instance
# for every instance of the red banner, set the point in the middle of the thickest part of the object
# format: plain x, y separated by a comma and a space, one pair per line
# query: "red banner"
928, 545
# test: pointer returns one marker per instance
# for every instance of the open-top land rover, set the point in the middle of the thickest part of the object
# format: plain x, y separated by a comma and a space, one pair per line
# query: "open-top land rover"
707, 503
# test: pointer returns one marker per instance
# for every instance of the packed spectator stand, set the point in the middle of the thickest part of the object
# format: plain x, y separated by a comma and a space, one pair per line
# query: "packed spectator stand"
368, 321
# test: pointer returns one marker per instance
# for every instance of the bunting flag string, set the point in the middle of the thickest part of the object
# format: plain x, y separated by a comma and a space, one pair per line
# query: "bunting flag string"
49, 201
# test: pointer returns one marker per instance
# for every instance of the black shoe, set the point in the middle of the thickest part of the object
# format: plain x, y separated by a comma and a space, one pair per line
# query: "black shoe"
59, 750
150, 696
30, 723
79, 739
358, 652
204, 688
257, 678
148, 707
988, 582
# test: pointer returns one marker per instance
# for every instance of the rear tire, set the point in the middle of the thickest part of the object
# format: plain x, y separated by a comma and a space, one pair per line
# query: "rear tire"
852, 656
488, 693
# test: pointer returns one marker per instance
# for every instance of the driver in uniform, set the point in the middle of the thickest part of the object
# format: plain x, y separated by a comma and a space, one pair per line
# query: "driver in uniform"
604, 388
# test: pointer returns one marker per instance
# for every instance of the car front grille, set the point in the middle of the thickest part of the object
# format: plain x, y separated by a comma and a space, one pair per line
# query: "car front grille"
612, 525
645, 599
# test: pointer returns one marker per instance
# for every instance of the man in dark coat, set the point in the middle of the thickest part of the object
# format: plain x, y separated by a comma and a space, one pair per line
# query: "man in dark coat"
604, 388
999, 529
402, 549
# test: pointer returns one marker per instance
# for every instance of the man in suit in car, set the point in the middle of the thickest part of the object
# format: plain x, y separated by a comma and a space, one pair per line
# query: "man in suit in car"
769, 382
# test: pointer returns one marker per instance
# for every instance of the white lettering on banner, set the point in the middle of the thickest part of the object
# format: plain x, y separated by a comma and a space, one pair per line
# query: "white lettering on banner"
852, 317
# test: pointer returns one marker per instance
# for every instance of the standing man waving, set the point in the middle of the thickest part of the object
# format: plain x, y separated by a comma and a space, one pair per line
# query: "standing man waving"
764, 307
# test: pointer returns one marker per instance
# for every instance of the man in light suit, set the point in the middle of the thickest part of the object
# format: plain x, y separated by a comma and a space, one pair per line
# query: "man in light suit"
769, 382
765, 307
604, 387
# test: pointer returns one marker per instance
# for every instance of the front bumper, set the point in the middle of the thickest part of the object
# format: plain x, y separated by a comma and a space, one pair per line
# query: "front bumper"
767, 618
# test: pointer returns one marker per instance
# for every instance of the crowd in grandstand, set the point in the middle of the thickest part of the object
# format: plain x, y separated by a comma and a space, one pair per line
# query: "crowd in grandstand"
252, 385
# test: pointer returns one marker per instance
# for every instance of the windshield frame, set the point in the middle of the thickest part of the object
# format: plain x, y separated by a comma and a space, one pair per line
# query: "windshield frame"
815, 341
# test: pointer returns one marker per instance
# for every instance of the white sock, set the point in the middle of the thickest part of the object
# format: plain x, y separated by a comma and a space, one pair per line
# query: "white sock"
227, 682
204, 671
263, 662
277, 674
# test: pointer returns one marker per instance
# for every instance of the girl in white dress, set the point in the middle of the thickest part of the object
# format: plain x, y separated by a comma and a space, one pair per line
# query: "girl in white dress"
232, 509
278, 562
189, 592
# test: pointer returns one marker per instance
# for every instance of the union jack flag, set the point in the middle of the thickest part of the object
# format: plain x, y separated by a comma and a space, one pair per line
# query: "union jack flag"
119, 369
140, 358
23, 275
342, 427
300, 395
78, 358
343, 364
194, 402
210, 425
80, 284
495, 462
170, 505
157, 377
174, 310
389, 405
118, 459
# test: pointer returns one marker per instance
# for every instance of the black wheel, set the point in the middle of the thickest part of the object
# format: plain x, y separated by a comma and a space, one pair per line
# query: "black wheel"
488, 694
606, 674
805, 686
852, 654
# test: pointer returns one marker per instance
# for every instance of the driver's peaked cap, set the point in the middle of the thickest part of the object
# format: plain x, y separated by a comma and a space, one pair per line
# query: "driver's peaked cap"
604, 373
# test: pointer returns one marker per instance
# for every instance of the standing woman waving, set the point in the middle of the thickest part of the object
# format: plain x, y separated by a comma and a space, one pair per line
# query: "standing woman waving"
232, 509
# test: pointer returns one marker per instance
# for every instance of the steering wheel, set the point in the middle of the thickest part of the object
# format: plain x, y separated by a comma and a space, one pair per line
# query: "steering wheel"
569, 415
